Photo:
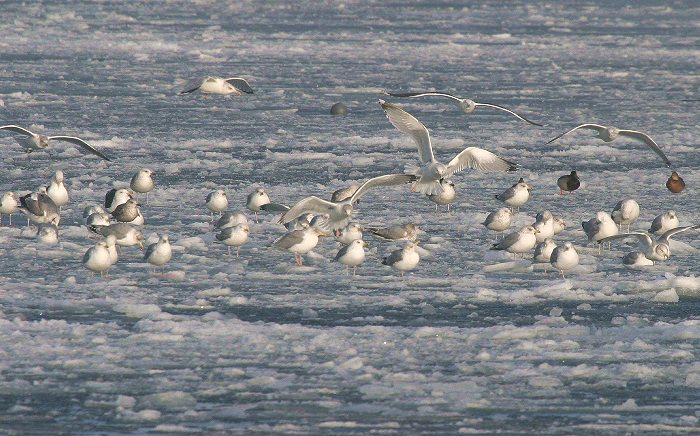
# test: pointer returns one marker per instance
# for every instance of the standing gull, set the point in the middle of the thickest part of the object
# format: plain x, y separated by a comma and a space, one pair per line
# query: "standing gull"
39, 208
299, 242
128, 212
341, 212
234, 236
142, 182
519, 242
218, 85
352, 255
544, 224
543, 252
516, 196
466, 105
97, 259
430, 171
564, 258
625, 212
609, 134
47, 234
499, 220
599, 228
230, 219
216, 202
57, 190
8, 205
406, 232
349, 233
34, 141
658, 250
404, 259
159, 253
446, 197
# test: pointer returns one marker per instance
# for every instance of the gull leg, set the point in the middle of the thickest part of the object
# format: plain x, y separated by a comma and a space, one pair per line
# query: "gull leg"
562, 273
354, 268
238, 251
256, 217
228, 247
436, 208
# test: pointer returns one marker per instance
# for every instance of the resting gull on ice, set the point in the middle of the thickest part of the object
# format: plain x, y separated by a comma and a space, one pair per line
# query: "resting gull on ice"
218, 85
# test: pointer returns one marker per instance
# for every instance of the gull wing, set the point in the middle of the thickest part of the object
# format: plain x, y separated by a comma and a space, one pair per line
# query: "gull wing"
649, 142
395, 232
423, 94
666, 237
644, 238
274, 207
81, 143
474, 157
596, 127
241, 84
18, 129
386, 180
507, 241
311, 204
192, 86
407, 123
495, 106
290, 239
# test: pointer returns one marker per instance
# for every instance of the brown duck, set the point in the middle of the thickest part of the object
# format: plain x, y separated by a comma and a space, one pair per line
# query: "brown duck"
675, 183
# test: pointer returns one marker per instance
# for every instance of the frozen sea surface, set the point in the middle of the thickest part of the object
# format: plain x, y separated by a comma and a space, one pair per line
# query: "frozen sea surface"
468, 342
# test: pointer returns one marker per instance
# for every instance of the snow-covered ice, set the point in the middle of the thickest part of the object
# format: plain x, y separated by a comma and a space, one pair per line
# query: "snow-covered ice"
471, 341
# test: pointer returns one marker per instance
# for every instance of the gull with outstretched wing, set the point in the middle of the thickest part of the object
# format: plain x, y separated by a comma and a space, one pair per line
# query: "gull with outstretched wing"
35, 141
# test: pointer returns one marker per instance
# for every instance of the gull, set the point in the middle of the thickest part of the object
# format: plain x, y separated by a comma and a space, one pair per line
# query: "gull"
658, 250
344, 193
47, 234
543, 251
404, 259
406, 232
97, 259
516, 196
34, 141
234, 236
664, 222
568, 183
349, 233
544, 224
230, 219
446, 197
564, 258
625, 212
559, 224
296, 223
599, 228
159, 253
142, 182
259, 200
299, 242
352, 255
218, 85
519, 242
89, 210
609, 134
499, 220
431, 171
128, 212
57, 190
126, 235
39, 208
635, 259
114, 197
97, 219
675, 183
340, 212
8, 205
466, 105
216, 201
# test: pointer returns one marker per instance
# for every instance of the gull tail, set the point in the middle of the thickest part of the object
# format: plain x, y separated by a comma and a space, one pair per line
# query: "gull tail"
427, 188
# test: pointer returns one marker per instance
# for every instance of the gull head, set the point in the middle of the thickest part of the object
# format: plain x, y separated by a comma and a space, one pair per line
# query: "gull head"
610, 134
663, 251
58, 176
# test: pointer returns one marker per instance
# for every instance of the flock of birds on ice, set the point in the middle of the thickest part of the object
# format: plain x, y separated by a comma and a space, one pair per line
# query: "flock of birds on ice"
314, 217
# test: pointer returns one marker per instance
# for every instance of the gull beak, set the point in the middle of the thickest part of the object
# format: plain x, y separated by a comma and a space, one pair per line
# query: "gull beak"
365, 244
529, 187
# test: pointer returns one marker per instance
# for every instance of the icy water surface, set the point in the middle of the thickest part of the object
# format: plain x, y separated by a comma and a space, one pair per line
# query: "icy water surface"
469, 341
